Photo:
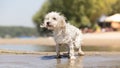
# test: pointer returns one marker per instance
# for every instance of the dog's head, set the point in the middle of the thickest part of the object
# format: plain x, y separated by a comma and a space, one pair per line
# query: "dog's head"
54, 20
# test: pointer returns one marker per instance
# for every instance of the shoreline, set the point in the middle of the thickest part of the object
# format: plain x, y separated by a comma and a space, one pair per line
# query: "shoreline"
88, 53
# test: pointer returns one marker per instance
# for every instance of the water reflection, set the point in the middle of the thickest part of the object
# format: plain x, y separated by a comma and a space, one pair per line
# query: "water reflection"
77, 63
89, 62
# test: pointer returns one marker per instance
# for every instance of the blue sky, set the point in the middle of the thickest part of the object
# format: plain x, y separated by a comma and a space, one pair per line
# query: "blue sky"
18, 12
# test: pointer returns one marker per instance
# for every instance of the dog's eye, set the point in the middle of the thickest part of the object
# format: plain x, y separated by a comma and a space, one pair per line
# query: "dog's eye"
54, 18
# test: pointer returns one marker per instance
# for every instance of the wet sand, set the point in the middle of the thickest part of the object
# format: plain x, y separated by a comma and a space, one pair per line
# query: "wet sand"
49, 61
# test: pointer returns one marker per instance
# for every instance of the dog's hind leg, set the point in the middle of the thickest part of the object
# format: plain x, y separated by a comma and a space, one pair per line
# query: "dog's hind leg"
77, 44
80, 52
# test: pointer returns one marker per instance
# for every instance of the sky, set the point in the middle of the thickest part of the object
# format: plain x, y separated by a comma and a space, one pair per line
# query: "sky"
18, 12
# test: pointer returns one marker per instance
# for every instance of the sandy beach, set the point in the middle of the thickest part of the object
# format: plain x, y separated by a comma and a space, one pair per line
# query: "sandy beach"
102, 39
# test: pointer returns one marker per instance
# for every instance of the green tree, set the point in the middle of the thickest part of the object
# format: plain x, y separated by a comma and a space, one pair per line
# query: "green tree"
79, 12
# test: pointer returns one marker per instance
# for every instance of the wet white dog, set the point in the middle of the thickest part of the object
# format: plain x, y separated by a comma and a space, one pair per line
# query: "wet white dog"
64, 33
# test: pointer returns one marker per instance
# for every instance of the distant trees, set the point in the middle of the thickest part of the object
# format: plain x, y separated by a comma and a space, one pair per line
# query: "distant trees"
17, 31
116, 7
81, 13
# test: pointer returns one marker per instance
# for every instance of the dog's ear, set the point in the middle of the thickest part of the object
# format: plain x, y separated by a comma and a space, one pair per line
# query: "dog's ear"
62, 22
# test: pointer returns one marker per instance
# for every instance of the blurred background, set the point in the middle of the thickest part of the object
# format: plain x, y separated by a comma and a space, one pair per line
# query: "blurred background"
99, 21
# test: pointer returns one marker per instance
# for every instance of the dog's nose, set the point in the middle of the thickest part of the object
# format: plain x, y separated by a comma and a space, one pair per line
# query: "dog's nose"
48, 23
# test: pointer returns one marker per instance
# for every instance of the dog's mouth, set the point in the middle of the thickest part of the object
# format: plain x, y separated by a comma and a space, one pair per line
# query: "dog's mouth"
49, 25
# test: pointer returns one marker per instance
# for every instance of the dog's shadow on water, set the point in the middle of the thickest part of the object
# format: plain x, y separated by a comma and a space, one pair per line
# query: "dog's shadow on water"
50, 57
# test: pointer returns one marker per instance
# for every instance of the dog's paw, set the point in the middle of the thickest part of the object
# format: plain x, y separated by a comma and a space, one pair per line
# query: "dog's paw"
58, 56
66, 55
72, 57
81, 53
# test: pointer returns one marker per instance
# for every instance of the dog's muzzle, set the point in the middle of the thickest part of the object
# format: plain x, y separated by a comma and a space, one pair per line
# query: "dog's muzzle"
48, 24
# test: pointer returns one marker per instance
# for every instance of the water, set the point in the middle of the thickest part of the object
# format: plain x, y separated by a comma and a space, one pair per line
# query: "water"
40, 48
37, 48
49, 61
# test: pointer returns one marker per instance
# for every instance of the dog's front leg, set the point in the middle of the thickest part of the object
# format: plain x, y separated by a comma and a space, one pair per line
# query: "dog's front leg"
71, 51
58, 51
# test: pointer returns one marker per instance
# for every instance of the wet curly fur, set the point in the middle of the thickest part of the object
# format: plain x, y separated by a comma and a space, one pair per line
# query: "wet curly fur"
64, 33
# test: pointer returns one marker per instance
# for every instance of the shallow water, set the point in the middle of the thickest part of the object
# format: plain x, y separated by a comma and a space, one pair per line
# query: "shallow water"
49, 61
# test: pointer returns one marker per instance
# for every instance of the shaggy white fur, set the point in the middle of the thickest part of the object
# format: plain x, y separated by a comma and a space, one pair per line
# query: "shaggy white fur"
64, 33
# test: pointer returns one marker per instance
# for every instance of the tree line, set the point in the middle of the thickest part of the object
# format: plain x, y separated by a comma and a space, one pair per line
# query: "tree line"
15, 31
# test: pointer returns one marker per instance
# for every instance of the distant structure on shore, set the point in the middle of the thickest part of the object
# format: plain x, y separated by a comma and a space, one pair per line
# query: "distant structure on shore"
109, 23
